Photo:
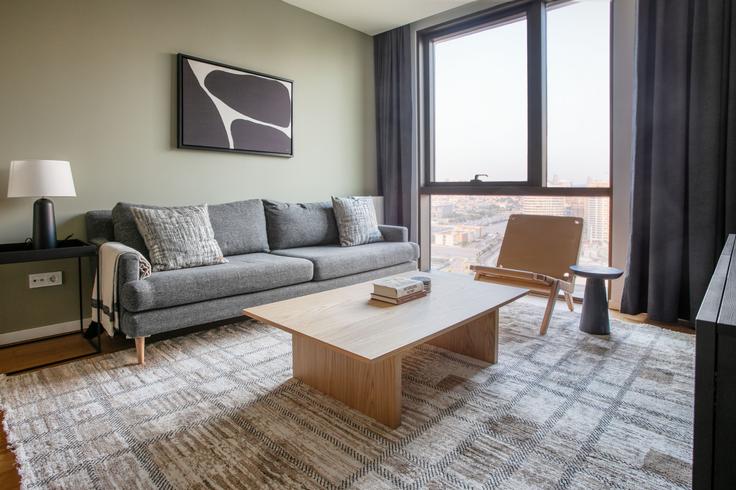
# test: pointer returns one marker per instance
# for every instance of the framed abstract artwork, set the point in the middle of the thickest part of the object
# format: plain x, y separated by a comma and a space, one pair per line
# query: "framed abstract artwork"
221, 107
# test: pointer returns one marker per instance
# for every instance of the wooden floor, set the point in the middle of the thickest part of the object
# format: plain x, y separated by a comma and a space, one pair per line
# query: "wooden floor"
8, 474
25, 356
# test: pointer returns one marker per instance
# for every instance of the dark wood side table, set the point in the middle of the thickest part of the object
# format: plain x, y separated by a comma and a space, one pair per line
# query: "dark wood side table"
13, 253
594, 319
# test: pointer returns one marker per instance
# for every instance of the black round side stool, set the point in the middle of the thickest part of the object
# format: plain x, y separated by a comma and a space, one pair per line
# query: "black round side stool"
594, 318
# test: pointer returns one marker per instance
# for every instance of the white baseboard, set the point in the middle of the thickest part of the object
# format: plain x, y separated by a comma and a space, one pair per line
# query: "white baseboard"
41, 332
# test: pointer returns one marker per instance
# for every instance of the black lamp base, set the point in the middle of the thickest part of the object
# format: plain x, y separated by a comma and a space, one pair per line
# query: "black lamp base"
44, 224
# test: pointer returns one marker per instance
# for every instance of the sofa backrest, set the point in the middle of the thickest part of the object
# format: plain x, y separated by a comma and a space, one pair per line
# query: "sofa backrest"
99, 225
378, 203
292, 225
124, 227
240, 227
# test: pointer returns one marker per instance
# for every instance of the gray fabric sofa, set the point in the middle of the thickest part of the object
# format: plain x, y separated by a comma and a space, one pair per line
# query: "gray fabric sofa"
275, 251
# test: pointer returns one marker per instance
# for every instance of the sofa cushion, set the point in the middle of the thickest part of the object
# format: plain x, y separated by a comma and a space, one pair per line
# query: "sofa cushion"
240, 226
242, 274
292, 225
331, 261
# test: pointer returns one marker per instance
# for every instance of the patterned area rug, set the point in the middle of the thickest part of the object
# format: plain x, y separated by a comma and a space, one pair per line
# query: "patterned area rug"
218, 409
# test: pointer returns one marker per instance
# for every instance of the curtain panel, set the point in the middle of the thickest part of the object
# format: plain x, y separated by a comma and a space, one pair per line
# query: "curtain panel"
394, 127
684, 185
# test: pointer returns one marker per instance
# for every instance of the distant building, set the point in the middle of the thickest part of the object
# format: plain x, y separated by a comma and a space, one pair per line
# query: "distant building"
596, 219
596, 183
455, 236
597, 214
545, 205
576, 206
443, 235
442, 210
557, 182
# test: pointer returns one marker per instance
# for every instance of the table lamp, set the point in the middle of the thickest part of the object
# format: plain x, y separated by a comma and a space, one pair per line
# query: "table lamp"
41, 178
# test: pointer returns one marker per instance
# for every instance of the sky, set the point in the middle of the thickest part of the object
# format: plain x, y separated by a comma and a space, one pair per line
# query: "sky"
481, 99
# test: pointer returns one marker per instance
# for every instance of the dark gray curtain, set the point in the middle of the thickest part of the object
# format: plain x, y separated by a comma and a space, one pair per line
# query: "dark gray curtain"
684, 192
394, 128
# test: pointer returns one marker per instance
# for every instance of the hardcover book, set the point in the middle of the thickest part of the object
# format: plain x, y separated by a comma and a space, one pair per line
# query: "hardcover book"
396, 287
398, 301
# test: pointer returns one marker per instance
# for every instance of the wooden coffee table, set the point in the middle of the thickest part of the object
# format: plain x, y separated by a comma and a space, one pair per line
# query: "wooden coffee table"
349, 347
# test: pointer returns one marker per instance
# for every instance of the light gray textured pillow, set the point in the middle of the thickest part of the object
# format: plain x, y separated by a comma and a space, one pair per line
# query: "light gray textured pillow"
356, 221
179, 237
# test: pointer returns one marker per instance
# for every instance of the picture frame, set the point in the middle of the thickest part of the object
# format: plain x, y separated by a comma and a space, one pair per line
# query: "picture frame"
226, 108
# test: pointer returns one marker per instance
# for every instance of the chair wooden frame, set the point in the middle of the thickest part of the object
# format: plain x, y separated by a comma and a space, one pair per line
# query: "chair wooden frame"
536, 254
536, 283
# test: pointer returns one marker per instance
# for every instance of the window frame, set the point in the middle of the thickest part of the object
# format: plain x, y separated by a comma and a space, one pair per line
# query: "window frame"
534, 12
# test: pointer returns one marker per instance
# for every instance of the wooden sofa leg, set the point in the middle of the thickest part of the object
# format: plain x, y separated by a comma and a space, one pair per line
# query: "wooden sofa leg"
140, 349
554, 291
568, 300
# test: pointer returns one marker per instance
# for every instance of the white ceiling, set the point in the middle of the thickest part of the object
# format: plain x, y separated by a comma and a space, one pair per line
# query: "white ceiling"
375, 16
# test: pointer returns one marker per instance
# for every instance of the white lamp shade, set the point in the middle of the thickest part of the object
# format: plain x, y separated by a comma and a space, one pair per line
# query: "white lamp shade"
41, 178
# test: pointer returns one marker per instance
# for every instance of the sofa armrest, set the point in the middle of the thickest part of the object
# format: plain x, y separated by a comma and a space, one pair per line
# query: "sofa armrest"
394, 233
128, 269
97, 242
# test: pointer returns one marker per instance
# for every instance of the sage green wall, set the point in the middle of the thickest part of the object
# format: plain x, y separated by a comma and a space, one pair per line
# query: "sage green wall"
94, 82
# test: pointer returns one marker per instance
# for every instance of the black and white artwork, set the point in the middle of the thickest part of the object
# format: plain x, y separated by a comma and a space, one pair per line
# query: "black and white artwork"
232, 109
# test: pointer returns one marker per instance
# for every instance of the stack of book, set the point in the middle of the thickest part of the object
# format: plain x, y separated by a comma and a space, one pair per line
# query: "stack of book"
398, 290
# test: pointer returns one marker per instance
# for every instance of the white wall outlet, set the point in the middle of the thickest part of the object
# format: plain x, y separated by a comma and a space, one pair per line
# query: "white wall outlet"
44, 279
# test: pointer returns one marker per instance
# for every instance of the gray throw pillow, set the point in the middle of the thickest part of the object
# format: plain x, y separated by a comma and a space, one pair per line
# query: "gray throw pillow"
240, 227
356, 220
292, 225
179, 237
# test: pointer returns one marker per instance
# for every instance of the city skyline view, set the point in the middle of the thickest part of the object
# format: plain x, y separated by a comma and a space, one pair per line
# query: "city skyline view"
468, 230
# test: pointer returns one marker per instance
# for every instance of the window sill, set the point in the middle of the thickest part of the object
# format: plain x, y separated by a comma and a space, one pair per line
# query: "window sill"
490, 189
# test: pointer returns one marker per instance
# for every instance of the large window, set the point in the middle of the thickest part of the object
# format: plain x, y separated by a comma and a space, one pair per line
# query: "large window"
521, 94
468, 138
578, 100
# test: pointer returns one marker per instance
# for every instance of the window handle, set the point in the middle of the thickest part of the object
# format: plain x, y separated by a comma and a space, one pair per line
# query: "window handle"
476, 179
